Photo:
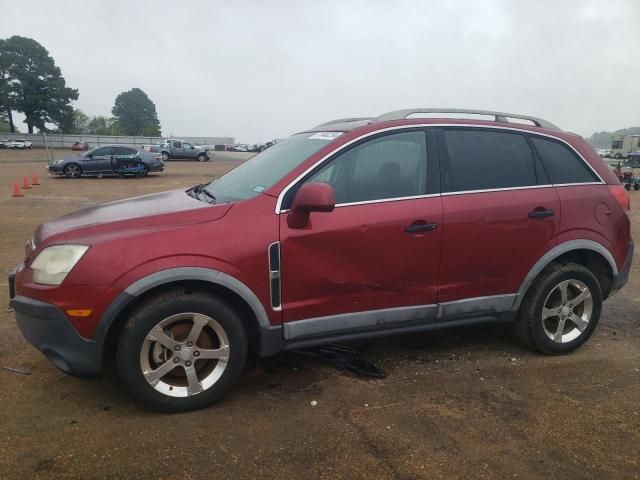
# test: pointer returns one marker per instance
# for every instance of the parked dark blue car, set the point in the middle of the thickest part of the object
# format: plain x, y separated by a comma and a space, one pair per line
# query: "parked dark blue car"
99, 161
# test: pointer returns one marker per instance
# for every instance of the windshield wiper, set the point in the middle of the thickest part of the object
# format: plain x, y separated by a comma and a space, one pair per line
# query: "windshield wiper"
201, 189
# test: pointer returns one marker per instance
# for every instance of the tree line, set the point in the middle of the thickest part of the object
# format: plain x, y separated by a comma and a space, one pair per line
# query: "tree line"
32, 84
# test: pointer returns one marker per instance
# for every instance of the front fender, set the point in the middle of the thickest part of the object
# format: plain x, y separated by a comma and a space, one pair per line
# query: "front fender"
171, 275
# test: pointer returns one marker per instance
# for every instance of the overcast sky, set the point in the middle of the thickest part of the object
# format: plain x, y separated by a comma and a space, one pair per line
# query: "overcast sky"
258, 70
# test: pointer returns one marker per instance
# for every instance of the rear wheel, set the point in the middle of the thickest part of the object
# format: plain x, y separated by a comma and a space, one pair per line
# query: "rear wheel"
73, 171
165, 156
181, 351
143, 173
561, 310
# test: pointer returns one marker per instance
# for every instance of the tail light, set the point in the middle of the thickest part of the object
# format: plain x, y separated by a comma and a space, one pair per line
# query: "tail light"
157, 157
622, 196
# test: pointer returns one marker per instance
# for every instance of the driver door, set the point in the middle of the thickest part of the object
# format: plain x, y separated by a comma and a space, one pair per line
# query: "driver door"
99, 161
189, 150
378, 249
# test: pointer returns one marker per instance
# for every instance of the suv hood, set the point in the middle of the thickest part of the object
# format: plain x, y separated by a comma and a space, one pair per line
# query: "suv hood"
155, 210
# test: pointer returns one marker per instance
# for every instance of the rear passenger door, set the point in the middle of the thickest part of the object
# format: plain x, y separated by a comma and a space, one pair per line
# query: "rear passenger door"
177, 151
501, 214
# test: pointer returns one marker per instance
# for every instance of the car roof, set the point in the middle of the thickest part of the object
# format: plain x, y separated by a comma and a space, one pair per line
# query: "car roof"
436, 115
114, 145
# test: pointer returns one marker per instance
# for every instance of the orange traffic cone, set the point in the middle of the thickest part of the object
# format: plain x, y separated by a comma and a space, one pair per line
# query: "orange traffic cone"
25, 183
34, 179
16, 190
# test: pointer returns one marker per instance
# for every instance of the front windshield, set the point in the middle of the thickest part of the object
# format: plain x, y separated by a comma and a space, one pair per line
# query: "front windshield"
89, 152
263, 170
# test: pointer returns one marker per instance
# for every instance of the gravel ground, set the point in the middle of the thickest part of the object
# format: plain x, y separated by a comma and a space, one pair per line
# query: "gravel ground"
468, 403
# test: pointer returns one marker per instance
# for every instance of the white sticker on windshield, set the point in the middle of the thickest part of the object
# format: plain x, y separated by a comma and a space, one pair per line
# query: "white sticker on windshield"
259, 188
325, 135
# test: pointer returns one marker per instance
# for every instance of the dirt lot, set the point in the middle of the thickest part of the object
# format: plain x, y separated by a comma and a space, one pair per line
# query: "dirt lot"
468, 403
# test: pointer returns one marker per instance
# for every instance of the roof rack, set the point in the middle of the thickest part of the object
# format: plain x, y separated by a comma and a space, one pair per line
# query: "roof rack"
343, 120
499, 116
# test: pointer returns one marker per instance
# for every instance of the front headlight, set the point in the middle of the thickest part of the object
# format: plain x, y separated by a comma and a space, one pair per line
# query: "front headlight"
53, 264
56, 162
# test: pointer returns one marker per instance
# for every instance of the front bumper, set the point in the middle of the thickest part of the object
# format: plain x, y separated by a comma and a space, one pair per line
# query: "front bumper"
55, 168
46, 327
622, 277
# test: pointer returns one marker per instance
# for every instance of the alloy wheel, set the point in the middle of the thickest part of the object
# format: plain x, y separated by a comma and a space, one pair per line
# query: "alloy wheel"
73, 171
184, 354
567, 311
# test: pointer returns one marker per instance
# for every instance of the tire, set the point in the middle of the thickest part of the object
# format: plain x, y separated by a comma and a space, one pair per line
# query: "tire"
143, 173
165, 157
73, 170
175, 315
636, 186
540, 316
202, 157
627, 186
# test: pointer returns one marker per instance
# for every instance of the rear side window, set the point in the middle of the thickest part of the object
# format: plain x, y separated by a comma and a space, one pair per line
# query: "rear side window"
123, 151
486, 159
561, 163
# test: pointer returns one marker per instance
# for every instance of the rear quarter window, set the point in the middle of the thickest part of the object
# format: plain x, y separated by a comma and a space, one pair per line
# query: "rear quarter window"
561, 163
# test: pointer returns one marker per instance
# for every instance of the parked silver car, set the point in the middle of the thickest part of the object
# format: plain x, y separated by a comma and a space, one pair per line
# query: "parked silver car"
172, 149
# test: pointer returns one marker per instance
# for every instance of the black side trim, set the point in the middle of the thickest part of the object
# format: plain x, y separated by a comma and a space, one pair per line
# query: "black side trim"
622, 277
312, 342
47, 328
274, 274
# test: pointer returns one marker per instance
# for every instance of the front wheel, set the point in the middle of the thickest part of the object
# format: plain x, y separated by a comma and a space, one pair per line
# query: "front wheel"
72, 171
202, 157
181, 351
561, 309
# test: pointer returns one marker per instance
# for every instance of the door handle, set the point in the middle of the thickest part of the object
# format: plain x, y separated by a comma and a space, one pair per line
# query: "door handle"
420, 226
541, 213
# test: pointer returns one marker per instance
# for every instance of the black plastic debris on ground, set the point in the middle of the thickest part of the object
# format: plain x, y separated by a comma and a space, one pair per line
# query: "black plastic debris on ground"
344, 358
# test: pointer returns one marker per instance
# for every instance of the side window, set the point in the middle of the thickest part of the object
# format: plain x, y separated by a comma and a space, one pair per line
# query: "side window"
486, 159
561, 163
123, 151
101, 152
187, 146
177, 144
392, 166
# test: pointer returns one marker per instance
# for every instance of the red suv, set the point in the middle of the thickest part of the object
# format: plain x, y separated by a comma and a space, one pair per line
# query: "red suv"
356, 228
